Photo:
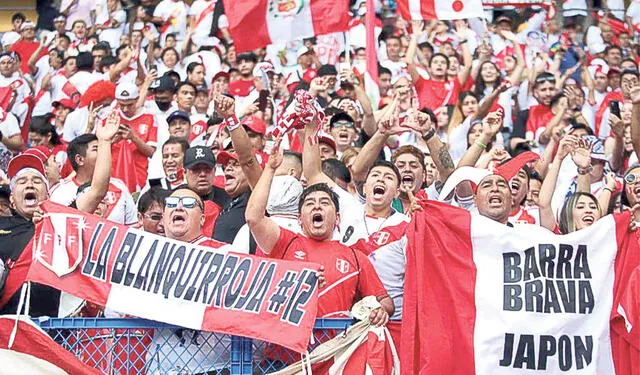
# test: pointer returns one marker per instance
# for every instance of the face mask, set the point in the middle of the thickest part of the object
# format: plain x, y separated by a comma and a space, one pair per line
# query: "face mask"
163, 105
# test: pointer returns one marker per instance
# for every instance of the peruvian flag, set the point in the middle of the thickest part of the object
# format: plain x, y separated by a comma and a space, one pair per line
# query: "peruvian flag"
484, 298
440, 9
34, 352
258, 23
371, 74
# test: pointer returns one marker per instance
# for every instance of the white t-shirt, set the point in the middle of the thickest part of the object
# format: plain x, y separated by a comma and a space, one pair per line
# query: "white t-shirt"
82, 80
81, 10
122, 208
8, 128
203, 29
633, 11
575, 8
174, 13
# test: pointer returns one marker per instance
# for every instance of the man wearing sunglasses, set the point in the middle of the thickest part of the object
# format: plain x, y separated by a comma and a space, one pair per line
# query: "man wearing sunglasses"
150, 210
343, 130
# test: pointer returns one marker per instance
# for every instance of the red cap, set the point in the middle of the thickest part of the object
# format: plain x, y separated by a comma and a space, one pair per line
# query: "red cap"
220, 74
328, 139
224, 157
66, 102
255, 124
32, 158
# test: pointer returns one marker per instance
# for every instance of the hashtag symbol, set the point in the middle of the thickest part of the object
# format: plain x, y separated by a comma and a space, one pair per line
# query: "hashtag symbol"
280, 296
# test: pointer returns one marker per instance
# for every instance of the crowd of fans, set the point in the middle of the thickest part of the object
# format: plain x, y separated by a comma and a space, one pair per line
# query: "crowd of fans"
146, 116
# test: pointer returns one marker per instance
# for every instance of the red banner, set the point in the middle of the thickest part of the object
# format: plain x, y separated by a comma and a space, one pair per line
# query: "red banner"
153, 277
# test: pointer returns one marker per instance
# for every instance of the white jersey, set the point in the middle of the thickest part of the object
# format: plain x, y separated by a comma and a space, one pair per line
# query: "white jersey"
82, 80
122, 208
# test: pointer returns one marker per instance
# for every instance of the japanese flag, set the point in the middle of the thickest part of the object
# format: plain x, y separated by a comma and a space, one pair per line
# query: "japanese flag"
440, 9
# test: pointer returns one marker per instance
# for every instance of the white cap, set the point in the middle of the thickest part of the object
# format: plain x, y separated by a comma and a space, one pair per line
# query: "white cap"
264, 66
126, 90
302, 51
9, 38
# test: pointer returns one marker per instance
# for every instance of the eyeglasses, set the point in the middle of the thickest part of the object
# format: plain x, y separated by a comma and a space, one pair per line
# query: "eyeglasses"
154, 217
631, 179
343, 124
187, 202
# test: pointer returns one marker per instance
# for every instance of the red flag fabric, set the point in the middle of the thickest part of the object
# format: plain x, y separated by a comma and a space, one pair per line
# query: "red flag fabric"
257, 23
34, 352
440, 9
482, 298
371, 74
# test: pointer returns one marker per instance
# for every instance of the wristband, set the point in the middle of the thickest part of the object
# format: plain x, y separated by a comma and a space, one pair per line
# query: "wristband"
429, 134
609, 189
463, 41
480, 144
232, 122
583, 171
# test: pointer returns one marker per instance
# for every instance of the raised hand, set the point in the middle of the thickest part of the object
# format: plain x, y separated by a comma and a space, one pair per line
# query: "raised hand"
581, 155
617, 125
225, 106
276, 156
635, 94
108, 131
492, 123
567, 144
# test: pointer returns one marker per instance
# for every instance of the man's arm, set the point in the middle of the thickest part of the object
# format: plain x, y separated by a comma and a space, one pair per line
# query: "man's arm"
614, 146
491, 125
89, 201
635, 119
439, 150
265, 231
311, 162
114, 74
226, 106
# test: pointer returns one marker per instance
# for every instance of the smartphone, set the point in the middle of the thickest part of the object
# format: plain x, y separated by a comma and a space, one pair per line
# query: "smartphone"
614, 108
262, 100
153, 67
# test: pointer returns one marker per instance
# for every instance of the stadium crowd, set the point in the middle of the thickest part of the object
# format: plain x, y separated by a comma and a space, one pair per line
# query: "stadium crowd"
146, 115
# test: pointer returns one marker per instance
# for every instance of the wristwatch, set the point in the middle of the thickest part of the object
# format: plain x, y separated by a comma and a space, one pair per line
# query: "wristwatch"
428, 135
583, 171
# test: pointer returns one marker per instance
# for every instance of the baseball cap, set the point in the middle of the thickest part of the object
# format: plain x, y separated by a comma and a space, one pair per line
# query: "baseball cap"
220, 74
328, 139
340, 116
9, 38
249, 56
198, 155
303, 51
66, 102
224, 157
255, 124
178, 114
32, 158
164, 83
263, 67
126, 90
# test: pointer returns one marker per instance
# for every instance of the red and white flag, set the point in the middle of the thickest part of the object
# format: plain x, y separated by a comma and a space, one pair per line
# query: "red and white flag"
371, 74
34, 352
483, 298
258, 23
440, 9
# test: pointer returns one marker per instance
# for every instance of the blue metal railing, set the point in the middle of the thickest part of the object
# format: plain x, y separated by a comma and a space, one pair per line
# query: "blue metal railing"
131, 346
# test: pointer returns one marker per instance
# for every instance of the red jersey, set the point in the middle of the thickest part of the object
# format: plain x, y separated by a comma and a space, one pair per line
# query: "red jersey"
241, 87
526, 215
434, 94
25, 49
539, 116
129, 164
309, 74
349, 274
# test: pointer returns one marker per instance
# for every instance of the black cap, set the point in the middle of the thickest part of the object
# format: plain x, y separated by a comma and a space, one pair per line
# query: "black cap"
250, 56
198, 155
178, 114
341, 116
164, 83
327, 70
84, 60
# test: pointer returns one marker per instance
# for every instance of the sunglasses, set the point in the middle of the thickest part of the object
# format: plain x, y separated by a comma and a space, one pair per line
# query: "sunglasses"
546, 79
187, 202
343, 124
154, 217
631, 179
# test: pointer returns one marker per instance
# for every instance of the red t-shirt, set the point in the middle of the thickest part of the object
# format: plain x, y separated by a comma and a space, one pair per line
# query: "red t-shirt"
539, 116
349, 274
434, 94
129, 164
241, 87
25, 50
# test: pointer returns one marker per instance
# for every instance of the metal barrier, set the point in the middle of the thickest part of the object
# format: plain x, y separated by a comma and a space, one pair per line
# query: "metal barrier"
144, 347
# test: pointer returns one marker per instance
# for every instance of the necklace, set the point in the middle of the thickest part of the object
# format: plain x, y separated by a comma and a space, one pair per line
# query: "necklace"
366, 227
